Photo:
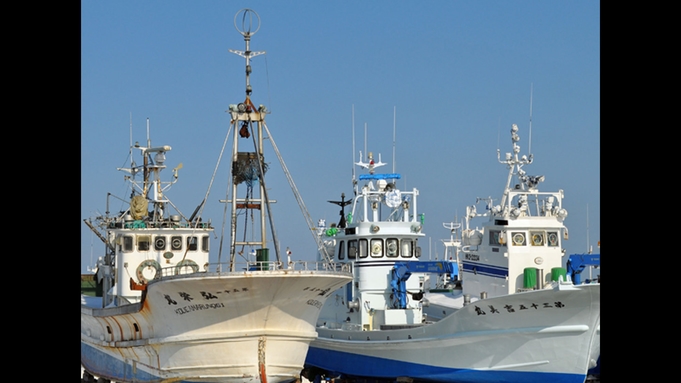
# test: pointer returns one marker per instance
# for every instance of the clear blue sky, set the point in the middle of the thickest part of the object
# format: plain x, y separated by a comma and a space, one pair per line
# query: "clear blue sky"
457, 73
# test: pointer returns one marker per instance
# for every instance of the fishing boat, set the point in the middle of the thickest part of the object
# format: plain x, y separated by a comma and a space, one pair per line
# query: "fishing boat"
445, 297
517, 322
539, 222
166, 313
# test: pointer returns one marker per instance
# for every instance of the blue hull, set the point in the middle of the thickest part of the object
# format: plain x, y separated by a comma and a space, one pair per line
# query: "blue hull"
360, 366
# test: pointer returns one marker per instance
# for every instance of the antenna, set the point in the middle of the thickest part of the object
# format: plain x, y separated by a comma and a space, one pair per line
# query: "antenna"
131, 131
498, 134
246, 30
529, 145
366, 154
353, 143
148, 139
132, 159
587, 229
394, 117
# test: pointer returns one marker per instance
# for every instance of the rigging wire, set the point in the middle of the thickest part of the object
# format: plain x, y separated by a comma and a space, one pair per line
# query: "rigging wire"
224, 217
299, 199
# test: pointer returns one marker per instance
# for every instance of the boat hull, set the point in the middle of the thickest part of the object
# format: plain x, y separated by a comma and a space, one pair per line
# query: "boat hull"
229, 327
536, 336
441, 304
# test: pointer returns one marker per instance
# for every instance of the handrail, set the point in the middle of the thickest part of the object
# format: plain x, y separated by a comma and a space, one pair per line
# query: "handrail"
224, 267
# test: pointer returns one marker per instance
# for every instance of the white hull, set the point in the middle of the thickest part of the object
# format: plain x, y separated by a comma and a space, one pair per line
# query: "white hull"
537, 336
524, 322
170, 315
233, 327
441, 304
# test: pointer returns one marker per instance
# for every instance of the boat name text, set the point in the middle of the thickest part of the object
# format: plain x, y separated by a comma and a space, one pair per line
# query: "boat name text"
322, 292
510, 309
198, 307
205, 294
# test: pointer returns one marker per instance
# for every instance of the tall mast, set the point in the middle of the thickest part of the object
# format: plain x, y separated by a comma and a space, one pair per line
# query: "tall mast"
249, 167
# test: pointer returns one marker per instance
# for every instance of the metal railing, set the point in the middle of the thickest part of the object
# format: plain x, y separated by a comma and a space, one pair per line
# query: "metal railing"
256, 266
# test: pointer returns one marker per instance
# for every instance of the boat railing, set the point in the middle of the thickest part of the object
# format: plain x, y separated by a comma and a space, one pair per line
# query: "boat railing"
163, 224
247, 266
365, 205
534, 203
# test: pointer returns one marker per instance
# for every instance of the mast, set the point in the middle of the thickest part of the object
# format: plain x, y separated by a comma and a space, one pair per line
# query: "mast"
529, 147
249, 167
354, 179
394, 123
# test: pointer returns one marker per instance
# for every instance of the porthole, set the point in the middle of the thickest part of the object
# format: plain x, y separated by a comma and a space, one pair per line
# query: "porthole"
537, 238
160, 243
176, 243
518, 239
376, 247
391, 247
553, 239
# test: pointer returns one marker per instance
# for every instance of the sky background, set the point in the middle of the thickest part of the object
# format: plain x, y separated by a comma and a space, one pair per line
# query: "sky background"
450, 77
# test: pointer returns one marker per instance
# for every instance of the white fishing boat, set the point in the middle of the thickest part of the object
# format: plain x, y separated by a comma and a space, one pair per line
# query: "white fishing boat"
480, 266
166, 313
519, 318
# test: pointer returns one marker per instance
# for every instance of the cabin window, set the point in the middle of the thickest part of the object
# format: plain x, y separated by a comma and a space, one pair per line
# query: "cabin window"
176, 242
205, 243
363, 248
352, 249
341, 250
127, 243
160, 243
143, 242
377, 248
405, 248
192, 243
417, 249
537, 238
496, 238
391, 246
518, 238
552, 238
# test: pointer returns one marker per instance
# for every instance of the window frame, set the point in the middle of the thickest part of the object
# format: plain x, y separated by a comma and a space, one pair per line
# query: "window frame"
518, 234
396, 243
173, 240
